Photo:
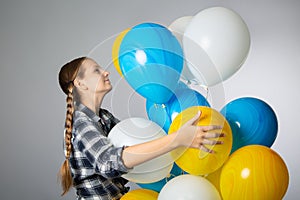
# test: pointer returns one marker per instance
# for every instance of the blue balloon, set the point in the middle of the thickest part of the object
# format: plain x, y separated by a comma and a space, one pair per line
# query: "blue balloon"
159, 114
252, 121
157, 186
151, 60
183, 99
181, 85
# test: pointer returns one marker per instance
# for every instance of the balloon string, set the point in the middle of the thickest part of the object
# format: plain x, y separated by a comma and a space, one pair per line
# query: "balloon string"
207, 91
167, 178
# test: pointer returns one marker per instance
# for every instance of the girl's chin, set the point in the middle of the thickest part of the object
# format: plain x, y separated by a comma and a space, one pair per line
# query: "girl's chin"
109, 88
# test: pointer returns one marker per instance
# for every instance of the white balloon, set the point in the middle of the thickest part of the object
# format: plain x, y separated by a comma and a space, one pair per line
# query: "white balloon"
177, 27
133, 131
216, 43
189, 187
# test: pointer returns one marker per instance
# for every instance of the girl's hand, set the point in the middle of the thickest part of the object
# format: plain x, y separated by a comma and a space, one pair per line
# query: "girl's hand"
191, 135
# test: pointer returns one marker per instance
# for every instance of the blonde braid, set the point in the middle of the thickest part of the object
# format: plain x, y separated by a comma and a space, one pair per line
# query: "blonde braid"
67, 75
65, 173
69, 121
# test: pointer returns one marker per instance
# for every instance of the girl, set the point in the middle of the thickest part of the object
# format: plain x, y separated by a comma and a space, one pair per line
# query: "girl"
93, 165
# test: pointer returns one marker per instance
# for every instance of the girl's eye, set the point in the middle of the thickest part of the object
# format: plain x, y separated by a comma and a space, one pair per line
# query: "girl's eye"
97, 70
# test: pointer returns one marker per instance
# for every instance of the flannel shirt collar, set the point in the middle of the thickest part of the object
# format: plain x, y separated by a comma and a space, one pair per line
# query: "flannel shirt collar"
87, 111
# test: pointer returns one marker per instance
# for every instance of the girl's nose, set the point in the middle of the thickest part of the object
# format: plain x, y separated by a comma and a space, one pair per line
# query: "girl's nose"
105, 73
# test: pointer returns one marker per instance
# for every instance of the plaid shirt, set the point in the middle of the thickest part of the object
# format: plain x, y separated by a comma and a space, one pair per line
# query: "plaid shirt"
96, 165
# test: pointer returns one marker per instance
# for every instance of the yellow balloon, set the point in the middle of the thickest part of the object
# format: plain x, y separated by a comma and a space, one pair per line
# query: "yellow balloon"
116, 48
195, 161
214, 178
254, 172
139, 194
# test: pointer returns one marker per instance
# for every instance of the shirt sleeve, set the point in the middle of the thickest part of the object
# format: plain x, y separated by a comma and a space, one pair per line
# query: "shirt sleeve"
100, 152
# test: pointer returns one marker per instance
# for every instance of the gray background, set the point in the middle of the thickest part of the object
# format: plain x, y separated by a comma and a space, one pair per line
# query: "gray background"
38, 36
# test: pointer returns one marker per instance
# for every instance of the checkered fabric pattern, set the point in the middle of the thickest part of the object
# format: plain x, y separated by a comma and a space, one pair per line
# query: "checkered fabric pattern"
96, 165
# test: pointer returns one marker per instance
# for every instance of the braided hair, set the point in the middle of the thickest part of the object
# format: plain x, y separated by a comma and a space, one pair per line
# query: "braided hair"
67, 75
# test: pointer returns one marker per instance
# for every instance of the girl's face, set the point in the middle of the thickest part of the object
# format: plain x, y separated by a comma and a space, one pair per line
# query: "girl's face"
94, 77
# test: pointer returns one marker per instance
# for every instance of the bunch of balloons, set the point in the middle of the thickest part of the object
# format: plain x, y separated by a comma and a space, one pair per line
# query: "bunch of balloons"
159, 63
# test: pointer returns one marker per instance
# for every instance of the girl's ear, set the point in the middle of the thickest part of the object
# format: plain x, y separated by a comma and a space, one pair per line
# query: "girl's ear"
79, 84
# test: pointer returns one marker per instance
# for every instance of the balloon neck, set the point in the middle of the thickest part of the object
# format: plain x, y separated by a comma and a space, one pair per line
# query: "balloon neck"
159, 105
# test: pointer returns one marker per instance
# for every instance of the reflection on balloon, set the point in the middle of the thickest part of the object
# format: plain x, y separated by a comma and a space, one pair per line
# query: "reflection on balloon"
216, 43
116, 48
136, 131
252, 121
189, 187
195, 161
254, 172
151, 60
139, 194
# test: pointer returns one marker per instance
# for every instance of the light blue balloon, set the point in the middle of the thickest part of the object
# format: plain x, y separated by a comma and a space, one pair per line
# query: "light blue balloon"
252, 121
151, 60
158, 113
157, 186
181, 85
184, 98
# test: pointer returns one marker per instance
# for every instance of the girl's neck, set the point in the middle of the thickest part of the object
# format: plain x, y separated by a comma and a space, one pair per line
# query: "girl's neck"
93, 103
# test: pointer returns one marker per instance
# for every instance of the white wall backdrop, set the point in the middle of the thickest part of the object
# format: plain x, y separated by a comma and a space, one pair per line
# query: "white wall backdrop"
38, 36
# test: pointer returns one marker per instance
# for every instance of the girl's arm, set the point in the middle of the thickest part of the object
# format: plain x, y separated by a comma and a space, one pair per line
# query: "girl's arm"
189, 135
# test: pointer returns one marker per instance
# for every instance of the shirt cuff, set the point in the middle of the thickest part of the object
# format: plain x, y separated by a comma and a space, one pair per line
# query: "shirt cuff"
121, 162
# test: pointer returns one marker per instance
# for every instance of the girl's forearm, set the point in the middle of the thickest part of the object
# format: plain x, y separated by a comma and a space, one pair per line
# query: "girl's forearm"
137, 154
